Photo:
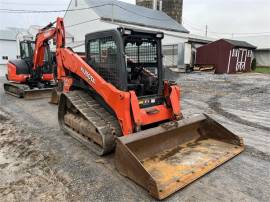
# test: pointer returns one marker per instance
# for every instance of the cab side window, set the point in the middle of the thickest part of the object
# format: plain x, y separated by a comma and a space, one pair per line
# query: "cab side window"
103, 57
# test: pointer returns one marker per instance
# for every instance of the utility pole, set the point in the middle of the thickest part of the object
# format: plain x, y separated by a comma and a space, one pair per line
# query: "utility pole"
206, 30
112, 12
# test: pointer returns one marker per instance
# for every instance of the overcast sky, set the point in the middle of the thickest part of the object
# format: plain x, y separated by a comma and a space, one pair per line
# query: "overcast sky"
221, 16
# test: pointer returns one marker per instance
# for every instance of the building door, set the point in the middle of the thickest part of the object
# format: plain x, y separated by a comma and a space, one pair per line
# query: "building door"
241, 60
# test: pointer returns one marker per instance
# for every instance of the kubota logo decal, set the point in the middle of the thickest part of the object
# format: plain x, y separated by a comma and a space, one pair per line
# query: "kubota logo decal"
87, 75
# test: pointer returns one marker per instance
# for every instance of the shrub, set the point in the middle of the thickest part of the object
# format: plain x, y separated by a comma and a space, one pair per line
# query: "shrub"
253, 64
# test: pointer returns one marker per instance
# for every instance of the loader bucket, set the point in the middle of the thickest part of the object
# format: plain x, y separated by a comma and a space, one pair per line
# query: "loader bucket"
166, 158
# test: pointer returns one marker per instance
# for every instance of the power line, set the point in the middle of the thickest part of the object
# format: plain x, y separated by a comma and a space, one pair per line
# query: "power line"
31, 4
23, 11
226, 33
65, 10
6, 10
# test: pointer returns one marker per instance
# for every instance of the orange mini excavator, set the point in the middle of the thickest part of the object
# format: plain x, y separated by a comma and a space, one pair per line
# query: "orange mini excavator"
32, 76
116, 99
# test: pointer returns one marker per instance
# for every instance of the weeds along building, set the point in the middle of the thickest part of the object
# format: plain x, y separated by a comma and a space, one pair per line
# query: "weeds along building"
172, 8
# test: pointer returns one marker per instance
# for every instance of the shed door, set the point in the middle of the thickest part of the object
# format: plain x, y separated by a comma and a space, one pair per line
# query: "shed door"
241, 60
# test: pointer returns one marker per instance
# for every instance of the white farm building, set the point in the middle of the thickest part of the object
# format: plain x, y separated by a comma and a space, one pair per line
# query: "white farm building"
87, 16
8, 45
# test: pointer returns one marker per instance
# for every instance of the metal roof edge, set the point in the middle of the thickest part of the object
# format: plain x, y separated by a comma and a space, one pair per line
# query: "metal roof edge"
263, 49
191, 39
245, 44
7, 39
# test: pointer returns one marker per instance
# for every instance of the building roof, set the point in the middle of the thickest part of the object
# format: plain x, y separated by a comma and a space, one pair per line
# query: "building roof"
200, 39
261, 41
7, 35
10, 33
112, 10
237, 43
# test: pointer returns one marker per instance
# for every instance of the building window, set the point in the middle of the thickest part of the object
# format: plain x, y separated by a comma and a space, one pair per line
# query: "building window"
249, 53
235, 52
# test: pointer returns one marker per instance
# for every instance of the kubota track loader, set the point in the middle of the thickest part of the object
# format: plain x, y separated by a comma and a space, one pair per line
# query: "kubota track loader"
32, 76
117, 97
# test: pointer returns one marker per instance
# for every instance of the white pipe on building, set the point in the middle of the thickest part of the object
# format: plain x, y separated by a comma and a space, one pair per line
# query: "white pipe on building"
160, 5
154, 4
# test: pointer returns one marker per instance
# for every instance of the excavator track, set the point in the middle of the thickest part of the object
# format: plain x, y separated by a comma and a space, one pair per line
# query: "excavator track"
82, 117
23, 91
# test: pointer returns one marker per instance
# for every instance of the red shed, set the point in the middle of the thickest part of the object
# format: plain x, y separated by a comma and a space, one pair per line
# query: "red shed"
227, 56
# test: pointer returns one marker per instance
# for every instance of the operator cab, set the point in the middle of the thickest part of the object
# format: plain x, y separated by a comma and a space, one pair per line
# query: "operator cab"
127, 58
27, 50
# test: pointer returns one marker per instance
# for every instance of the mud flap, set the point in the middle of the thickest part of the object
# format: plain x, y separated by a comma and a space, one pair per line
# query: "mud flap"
169, 157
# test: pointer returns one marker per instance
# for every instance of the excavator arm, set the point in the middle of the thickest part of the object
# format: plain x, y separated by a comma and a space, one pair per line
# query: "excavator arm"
44, 35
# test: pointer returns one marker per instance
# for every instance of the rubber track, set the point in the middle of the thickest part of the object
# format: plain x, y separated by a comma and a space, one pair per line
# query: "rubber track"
16, 90
24, 91
105, 123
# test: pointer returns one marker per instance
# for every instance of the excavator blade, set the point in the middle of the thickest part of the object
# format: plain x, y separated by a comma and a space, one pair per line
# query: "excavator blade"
23, 91
166, 158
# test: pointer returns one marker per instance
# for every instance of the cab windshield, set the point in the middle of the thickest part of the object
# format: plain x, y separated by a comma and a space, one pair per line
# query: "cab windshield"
27, 49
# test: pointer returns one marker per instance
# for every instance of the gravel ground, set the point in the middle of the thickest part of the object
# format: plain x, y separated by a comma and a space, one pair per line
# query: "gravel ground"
39, 163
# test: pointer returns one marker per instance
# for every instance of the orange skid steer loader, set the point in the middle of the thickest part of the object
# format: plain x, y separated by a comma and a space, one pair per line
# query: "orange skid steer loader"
117, 99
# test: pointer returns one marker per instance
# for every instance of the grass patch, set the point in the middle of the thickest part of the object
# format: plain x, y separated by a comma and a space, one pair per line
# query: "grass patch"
264, 70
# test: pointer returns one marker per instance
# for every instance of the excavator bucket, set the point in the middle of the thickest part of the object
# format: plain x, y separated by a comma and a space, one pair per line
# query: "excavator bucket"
23, 91
166, 158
